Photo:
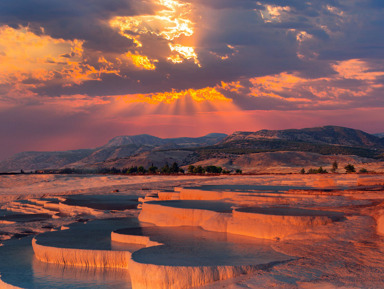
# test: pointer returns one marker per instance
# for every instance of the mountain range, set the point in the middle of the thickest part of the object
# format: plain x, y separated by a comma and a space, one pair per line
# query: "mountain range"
245, 150
117, 148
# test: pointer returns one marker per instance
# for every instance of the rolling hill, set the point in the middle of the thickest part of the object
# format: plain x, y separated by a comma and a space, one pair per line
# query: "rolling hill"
292, 147
117, 148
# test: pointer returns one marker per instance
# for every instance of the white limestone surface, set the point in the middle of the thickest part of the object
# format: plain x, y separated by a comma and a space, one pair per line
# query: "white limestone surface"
81, 257
145, 276
258, 225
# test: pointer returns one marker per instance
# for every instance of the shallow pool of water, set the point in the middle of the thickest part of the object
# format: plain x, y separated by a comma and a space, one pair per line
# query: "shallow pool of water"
19, 267
216, 206
95, 235
243, 188
193, 246
104, 202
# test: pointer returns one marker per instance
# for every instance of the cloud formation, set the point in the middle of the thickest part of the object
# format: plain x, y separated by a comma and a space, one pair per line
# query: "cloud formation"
178, 59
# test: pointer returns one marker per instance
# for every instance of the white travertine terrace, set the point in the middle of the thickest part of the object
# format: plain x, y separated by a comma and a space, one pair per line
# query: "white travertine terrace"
267, 226
260, 219
161, 215
133, 239
81, 257
171, 211
178, 277
36, 206
258, 225
142, 275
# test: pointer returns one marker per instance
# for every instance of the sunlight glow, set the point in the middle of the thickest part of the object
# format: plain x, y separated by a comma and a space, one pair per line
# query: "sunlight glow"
170, 23
199, 95
141, 61
273, 13
182, 52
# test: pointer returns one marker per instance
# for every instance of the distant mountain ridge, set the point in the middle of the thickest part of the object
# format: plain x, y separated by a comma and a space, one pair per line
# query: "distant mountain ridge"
146, 139
330, 135
127, 151
116, 148
142, 139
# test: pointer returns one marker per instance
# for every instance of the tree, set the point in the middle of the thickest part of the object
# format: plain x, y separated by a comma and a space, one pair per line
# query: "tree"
199, 170
213, 169
166, 169
302, 171
132, 170
175, 168
349, 169
238, 171
191, 169
67, 171
335, 166
320, 170
141, 170
152, 169
312, 171
363, 171
113, 170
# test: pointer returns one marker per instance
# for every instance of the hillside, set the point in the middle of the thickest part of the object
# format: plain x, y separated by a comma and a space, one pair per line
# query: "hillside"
157, 158
328, 140
290, 148
145, 139
28, 161
288, 162
327, 135
117, 148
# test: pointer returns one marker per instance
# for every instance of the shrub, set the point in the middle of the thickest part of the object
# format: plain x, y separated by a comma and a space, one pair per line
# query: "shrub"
335, 166
349, 169
152, 169
363, 171
191, 168
199, 170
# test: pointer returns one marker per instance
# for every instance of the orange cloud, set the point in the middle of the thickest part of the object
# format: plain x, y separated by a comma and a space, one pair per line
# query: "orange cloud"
182, 52
326, 91
25, 55
274, 13
141, 61
171, 22
356, 69
199, 95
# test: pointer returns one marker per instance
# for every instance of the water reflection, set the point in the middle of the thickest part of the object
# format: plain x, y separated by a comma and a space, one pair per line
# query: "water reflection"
193, 246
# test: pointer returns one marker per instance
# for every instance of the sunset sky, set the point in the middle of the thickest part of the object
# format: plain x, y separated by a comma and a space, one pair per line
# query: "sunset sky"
75, 73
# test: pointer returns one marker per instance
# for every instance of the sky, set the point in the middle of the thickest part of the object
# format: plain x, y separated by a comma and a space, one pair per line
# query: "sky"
74, 74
